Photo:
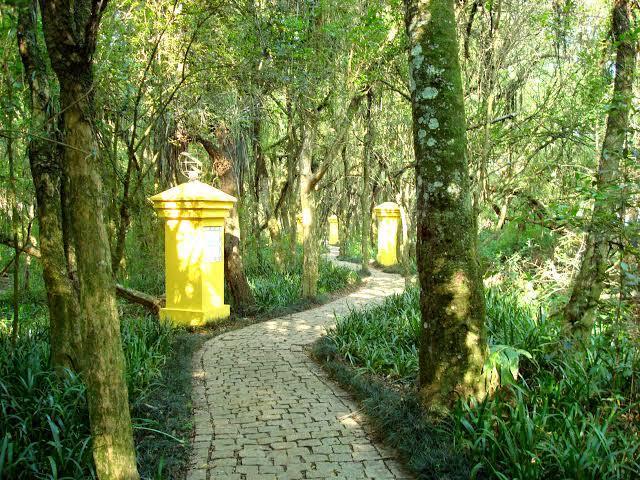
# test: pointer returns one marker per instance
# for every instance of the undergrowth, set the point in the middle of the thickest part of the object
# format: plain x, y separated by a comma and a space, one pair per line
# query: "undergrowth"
44, 423
423, 439
44, 430
562, 410
277, 285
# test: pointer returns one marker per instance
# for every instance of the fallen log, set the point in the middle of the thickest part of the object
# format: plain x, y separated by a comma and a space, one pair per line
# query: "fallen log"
151, 303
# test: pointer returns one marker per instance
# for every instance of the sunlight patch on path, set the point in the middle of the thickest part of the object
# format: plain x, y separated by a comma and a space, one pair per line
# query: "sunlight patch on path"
264, 410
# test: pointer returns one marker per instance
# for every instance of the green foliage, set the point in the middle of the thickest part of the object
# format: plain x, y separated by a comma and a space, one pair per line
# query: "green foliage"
147, 343
529, 241
144, 265
277, 288
562, 410
164, 420
573, 420
351, 251
422, 439
44, 425
44, 419
382, 339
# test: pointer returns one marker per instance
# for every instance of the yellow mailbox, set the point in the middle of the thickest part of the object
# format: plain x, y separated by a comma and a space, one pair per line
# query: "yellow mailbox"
333, 230
388, 215
299, 228
194, 215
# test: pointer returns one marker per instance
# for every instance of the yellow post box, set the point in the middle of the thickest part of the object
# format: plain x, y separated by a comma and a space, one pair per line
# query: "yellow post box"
194, 214
333, 230
299, 228
388, 216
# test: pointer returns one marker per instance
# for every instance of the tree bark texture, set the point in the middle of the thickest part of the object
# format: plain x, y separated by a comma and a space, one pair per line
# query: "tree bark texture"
308, 205
70, 32
222, 160
44, 161
13, 201
589, 282
344, 214
453, 344
365, 194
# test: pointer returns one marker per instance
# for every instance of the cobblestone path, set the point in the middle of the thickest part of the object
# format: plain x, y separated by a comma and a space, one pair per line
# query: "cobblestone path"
264, 410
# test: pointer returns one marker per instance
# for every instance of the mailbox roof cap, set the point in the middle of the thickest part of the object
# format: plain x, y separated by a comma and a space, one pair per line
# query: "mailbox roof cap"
387, 209
194, 191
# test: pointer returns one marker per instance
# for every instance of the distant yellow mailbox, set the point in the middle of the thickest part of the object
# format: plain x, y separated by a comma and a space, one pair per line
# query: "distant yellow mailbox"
388, 215
299, 228
333, 230
194, 251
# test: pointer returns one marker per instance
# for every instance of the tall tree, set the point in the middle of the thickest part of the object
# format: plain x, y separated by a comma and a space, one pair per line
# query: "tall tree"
592, 274
365, 194
44, 161
453, 344
309, 179
9, 108
70, 32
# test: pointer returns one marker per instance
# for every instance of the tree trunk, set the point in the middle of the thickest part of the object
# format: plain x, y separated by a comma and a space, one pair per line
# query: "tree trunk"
222, 160
70, 32
13, 201
124, 214
344, 215
29, 238
308, 206
261, 179
308, 183
453, 344
293, 179
589, 282
47, 178
365, 195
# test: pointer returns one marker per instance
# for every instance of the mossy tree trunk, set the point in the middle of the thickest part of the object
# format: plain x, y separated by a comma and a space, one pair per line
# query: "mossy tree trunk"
70, 32
308, 206
453, 344
365, 194
290, 212
222, 160
13, 200
589, 282
44, 161
344, 215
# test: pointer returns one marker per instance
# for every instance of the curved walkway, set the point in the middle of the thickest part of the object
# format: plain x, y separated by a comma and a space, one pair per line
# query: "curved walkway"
264, 410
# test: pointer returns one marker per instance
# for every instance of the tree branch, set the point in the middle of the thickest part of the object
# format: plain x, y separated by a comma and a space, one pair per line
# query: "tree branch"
151, 303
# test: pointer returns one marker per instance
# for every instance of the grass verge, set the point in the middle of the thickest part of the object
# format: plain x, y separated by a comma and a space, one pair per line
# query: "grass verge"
562, 410
422, 439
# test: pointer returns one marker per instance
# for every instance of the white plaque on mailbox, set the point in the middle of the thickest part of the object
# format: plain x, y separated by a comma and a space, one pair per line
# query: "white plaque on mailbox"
212, 244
